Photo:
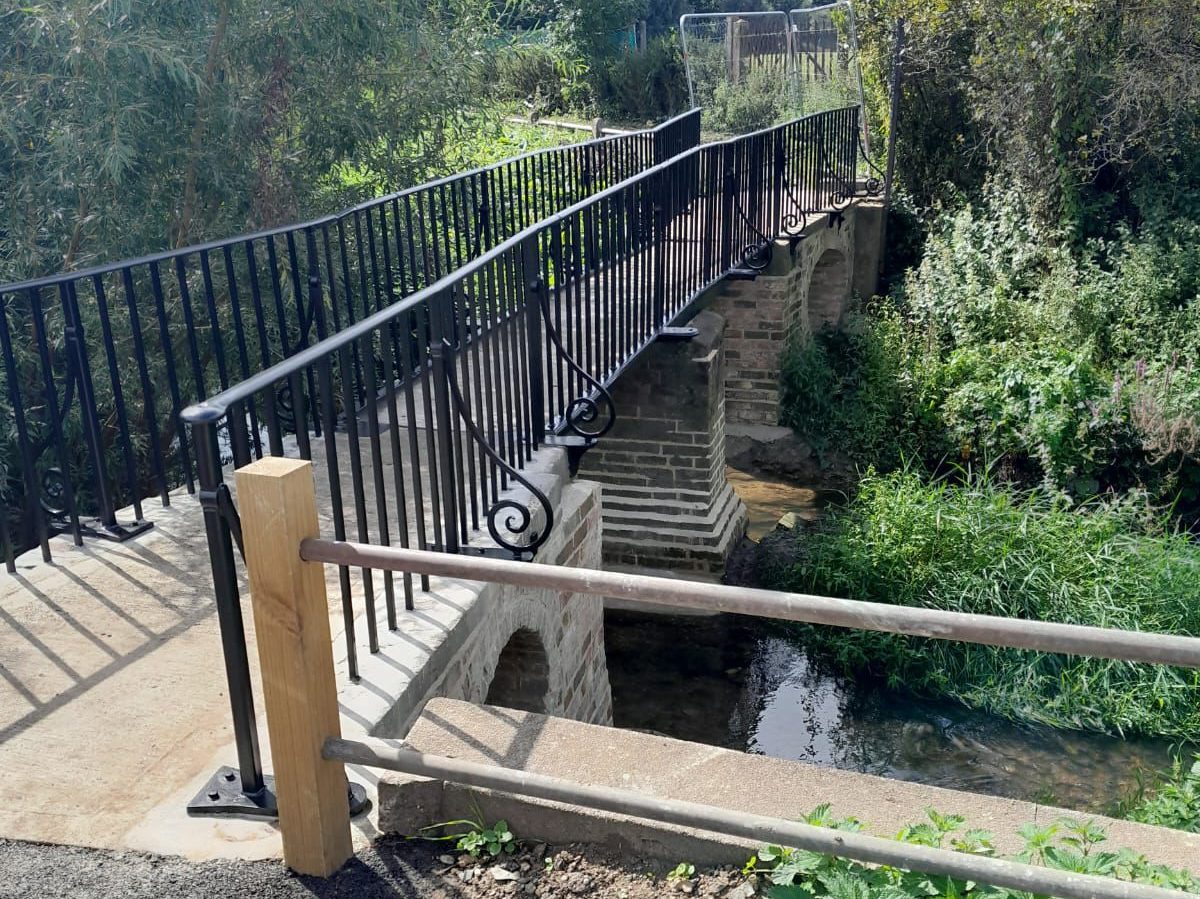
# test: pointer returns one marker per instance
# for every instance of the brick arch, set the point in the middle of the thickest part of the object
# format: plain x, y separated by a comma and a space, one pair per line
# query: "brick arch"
828, 289
522, 676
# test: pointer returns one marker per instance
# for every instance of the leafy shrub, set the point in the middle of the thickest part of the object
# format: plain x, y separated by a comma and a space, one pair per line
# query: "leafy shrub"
1070, 369
755, 102
648, 86
853, 389
526, 72
1066, 845
1171, 800
988, 549
545, 77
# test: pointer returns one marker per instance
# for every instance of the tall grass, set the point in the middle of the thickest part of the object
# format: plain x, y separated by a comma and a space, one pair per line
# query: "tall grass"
977, 546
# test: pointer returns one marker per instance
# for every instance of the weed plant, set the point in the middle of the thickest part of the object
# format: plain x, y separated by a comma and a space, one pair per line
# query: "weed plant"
1065, 845
1170, 799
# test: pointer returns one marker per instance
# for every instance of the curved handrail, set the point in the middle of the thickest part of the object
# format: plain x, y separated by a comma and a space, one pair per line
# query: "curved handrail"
330, 219
217, 405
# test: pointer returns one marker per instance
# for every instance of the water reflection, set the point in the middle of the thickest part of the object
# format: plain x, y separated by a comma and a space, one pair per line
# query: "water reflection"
735, 682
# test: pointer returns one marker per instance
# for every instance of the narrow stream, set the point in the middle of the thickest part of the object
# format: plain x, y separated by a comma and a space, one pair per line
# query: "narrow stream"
741, 683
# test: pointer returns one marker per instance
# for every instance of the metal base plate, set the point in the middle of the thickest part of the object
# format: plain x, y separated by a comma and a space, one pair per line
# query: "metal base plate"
685, 333
223, 796
117, 532
743, 274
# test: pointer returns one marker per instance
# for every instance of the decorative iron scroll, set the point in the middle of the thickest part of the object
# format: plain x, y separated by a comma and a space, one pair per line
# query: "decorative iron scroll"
844, 193
755, 256
518, 519
583, 410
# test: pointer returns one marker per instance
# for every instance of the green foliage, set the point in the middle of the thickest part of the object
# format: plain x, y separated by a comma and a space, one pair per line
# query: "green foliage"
493, 841
648, 86
754, 103
1065, 845
1071, 369
128, 127
977, 547
477, 839
1087, 107
852, 389
682, 871
1171, 800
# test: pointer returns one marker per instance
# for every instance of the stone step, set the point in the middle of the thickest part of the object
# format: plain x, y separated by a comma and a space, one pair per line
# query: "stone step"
654, 527
655, 765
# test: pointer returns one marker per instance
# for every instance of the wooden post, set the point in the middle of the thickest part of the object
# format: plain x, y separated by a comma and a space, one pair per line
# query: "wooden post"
291, 621
737, 33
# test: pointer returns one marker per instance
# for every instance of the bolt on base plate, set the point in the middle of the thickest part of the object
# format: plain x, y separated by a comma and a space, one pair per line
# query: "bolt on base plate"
223, 795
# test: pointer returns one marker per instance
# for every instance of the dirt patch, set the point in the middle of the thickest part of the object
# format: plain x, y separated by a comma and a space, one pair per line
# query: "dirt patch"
561, 873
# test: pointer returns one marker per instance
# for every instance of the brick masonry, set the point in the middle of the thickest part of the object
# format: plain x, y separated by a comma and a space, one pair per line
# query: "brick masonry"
803, 289
667, 503
568, 626
454, 642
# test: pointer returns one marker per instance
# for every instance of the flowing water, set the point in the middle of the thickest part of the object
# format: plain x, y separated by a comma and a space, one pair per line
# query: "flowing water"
741, 683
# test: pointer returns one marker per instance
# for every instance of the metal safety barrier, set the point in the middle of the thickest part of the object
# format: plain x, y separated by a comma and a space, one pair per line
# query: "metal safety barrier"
286, 571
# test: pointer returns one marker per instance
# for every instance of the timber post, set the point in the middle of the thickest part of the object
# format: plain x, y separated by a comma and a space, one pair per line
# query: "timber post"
291, 622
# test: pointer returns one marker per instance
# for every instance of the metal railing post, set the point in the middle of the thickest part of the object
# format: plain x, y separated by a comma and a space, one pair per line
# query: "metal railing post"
441, 353
78, 360
533, 284
244, 791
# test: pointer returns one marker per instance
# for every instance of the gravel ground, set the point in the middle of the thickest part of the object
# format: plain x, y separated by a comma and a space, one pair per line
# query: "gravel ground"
390, 868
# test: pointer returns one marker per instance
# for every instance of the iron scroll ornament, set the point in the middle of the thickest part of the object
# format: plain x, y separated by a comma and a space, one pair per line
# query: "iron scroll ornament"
584, 410
518, 519
844, 193
757, 255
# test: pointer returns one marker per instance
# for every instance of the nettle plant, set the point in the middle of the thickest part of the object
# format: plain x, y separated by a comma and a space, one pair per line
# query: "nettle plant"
1066, 845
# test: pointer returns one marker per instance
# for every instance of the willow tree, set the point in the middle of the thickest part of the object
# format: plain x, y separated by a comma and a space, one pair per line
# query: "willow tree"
133, 125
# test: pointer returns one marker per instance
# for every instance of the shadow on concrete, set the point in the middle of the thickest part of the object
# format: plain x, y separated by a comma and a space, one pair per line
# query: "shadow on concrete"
67, 627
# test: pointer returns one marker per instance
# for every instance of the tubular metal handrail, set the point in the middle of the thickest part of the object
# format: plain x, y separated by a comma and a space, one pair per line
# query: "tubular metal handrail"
99, 363
1045, 636
392, 755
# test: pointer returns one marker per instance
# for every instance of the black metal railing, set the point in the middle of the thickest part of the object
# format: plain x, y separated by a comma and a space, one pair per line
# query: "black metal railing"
422, 416
98, 364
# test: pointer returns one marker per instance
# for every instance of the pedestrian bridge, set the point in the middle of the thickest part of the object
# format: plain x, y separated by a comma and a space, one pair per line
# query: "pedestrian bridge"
539, 359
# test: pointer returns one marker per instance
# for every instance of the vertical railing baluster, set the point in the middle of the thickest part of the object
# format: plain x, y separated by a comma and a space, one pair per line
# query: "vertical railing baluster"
124, 436
164, 337
215, 503
445, 424
532, 285
28, 463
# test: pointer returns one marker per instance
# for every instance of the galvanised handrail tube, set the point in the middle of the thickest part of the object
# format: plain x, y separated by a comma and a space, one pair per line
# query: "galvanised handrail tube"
179, 325
807, 608
988, 630
476, 367
392, 755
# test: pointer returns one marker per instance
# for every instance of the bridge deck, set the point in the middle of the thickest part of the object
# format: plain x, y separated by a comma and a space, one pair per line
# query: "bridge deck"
113, 705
